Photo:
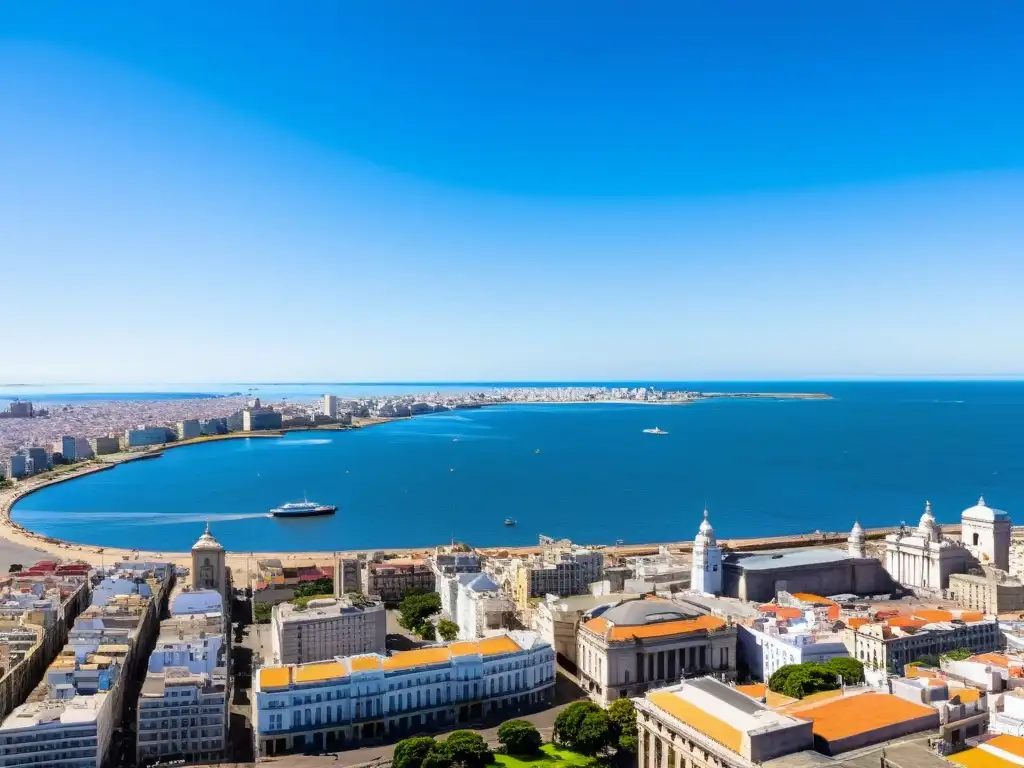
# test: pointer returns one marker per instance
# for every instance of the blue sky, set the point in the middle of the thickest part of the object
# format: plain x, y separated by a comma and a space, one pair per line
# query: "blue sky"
494, 191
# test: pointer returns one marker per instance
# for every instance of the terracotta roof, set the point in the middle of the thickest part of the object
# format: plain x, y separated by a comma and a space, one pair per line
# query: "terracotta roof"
697, 718
490, 646
972, 615
655, 629
906, 622
993, 659
315, 673
933, 615
754, 690
1012, 744
274, 677
985, 755
862, 713
913, 672
967, 695
782, 611
417, 658
856, 621
808, 597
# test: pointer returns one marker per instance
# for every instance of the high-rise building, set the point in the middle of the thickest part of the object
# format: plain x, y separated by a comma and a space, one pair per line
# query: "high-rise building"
189, 429
17, 465
69, 448
182, 714
256, 419
101, 446
331, 406
39, 459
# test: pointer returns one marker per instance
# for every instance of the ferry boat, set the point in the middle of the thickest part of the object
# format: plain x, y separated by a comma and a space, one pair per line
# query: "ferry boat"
303, 508
655, 431
509, 521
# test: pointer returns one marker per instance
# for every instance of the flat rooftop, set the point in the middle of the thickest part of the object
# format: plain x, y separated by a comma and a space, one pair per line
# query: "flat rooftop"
1004, 751
785, 558
326, 608
76, 710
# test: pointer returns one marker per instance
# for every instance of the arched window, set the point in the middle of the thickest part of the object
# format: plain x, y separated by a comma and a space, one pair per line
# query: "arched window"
976, 539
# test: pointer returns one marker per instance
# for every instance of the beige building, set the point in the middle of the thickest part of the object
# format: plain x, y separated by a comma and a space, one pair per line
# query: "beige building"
642, 644
209, 569
557, 620
994, 592
560, 569
892, 644
182, 714
391, 579
325, 629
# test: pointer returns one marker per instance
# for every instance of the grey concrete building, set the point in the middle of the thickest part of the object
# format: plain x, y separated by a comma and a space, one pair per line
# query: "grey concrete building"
819, 570
327, 628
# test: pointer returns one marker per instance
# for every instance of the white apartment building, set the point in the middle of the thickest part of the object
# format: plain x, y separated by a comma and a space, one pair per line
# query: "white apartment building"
327, 628
561, 569
65, 733
195, 643
182, 715
765, 645
481, 608
341, 703
331, 406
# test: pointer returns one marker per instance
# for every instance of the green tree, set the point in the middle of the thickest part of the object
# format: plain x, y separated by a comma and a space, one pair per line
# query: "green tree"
261, 612
594, 734
448, 630
466, 748
622, 719
15, 567
410, 753
569, 720
799, 680
427, 631
851, 670
519, 737
322, 586
415, 609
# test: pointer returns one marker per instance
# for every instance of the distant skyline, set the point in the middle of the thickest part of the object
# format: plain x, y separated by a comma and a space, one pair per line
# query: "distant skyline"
511, 192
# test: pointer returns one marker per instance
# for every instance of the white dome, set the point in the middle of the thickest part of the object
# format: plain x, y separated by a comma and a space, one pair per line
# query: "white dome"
206, 542
705, 534
928, 528
982, 511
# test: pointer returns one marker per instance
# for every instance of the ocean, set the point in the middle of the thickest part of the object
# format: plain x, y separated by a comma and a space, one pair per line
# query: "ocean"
874, 453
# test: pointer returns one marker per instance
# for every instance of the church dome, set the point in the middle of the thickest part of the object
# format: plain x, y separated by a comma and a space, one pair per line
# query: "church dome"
705, 534
207, 543
982, 511
928, 528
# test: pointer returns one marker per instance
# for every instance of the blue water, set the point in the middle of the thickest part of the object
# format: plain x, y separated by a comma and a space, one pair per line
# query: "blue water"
874, 453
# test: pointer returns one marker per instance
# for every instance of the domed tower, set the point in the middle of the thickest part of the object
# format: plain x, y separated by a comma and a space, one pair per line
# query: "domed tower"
986, 533
706, 570
855, 541
927, 528
208, 565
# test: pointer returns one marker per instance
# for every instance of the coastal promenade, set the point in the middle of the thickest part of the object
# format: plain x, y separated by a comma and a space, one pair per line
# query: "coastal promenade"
245, 562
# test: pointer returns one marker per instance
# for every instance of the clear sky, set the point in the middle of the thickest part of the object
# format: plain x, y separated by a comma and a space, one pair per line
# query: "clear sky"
367, 191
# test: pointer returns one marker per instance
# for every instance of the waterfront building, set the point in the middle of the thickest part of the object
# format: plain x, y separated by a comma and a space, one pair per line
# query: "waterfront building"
182, 715
363, 699
993, 592
330, 406
213, 427
256, 419
17, 465
102, 446
391, 579
559, 569
481, 607
189, 429
209, 569
557, 619
327, 628
641, 644
20, 409
348, 576
706, 571
986, 534
235, 422
893, 643
83, 450
38, 459
67, 447
760, 575
137, 438
771, 642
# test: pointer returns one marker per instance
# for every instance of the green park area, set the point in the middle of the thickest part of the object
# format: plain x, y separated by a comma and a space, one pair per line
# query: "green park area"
549, 756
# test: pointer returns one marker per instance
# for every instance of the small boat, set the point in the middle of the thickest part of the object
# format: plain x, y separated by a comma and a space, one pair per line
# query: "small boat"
509, 521
655, 431
304, 508
537, 451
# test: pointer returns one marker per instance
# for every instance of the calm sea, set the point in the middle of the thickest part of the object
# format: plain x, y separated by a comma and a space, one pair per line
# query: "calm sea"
874, 453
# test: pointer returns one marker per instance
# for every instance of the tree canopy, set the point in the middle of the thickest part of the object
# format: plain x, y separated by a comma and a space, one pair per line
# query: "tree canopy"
410, 753
799, 680
622, 719
322, 586
583, 727
448, 630
465, 748
850, 670
519, 737
416, 609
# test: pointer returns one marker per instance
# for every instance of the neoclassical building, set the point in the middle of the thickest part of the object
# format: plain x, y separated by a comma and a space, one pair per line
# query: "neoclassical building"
924, 558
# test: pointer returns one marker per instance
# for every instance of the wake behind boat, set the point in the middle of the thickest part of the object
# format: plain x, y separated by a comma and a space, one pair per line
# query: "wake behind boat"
303, 509
655, 431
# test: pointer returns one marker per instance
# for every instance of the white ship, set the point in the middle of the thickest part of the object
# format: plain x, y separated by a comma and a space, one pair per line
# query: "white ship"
303, 508
655, 431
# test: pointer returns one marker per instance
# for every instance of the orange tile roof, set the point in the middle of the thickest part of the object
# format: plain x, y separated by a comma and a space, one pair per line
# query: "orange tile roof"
972, 615
806, 702
993, 659
862, 713
406, 659
697, 718
775, 700
275, 677
754, 690
980, 758
807, 597
315, 673
363, 663
1012, 744
906, 622
967, 695
657, 629
856, 622
490, 646
933, 615
919, 672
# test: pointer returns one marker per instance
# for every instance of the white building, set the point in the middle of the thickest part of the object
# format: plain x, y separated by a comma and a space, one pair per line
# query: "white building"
190, 602
767, 644
69, 733
482, 609
331, 406
706, 570
182, 715
121, 584
856, 541
325, 628
195, 643
1011, 719
986, 534
349, 700
209, 569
